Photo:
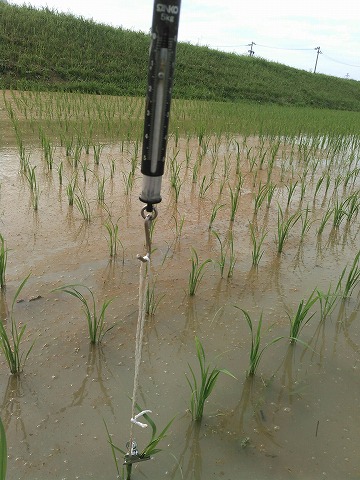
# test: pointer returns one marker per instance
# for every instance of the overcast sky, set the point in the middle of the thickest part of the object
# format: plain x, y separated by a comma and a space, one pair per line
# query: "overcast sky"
283, 31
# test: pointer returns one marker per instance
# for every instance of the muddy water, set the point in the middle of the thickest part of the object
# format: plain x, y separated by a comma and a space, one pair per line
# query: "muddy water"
296, 419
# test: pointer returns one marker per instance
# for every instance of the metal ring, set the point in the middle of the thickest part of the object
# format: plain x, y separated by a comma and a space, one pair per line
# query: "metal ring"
153, 213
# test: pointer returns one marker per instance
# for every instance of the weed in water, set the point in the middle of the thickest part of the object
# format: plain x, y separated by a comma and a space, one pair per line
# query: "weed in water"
200, 390
255, 351
196, 273
302, 316
95, 320
10, 344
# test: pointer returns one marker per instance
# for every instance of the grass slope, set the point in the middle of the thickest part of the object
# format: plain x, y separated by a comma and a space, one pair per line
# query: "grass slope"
46, 50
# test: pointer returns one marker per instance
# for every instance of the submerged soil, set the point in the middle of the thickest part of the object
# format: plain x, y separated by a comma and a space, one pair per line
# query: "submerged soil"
297, 418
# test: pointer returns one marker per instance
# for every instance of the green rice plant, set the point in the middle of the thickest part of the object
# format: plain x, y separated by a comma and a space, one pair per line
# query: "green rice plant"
329, 299
30, 176
232, 256
204, 186
201, 389
255, 351
128, 181
214, 211
306, 223
196, 273
101, 189
83, 205
260, 197
234, 200
84, 167
318, 185
3, 261
150, 449
95, 320
3, 452
10, 344
353, 277
270, 193
179, 224
283, 227
302, 316
70, 189
324, 220
291, 190
340, 212
152, 300
60, 172
257, 241
113, 239
49, 151
222, 259
353, 205
97, 149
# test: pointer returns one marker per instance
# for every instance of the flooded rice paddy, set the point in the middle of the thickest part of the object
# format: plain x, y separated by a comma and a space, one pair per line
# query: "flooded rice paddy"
296, 418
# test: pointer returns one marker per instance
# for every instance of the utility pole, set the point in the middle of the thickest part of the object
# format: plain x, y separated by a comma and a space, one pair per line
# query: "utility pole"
251, 51
317, 57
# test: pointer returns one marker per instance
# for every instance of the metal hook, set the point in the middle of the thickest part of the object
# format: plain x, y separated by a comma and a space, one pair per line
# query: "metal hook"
149, 217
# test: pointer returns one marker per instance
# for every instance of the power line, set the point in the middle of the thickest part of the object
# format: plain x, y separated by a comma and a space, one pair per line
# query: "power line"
282, 48
338, 61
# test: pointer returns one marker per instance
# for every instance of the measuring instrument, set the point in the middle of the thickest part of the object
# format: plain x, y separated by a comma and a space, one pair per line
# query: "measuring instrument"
164, 32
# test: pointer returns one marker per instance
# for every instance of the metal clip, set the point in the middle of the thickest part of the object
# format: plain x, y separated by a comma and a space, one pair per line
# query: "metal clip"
134, 456
149, 217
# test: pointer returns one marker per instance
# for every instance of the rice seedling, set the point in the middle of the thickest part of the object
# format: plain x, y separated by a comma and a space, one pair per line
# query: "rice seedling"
318, 185
353, 277
324, 220
291, 190
113, 239
353, 205
83, 205
101, 189
70, 189
128, 181
152, 300
222, 259
232, 256
148, 452
257, 241
302, 316
270, 193
3, 261
214, 211
60, 173
329, 299
97, 149
84, 167
204, 186
179, 224
10, 344
196, 273
340, 212
200, 390
260, 197
49, 150
95, 320
306, 223
283, 227
3, 452
234, 200
255, 351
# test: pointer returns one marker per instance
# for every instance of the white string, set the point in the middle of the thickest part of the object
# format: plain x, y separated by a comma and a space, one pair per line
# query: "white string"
143, 285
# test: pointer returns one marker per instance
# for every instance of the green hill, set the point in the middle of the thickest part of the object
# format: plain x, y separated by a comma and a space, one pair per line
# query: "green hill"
46, 50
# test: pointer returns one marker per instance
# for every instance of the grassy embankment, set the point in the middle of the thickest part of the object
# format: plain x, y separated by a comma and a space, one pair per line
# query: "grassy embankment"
46, 50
